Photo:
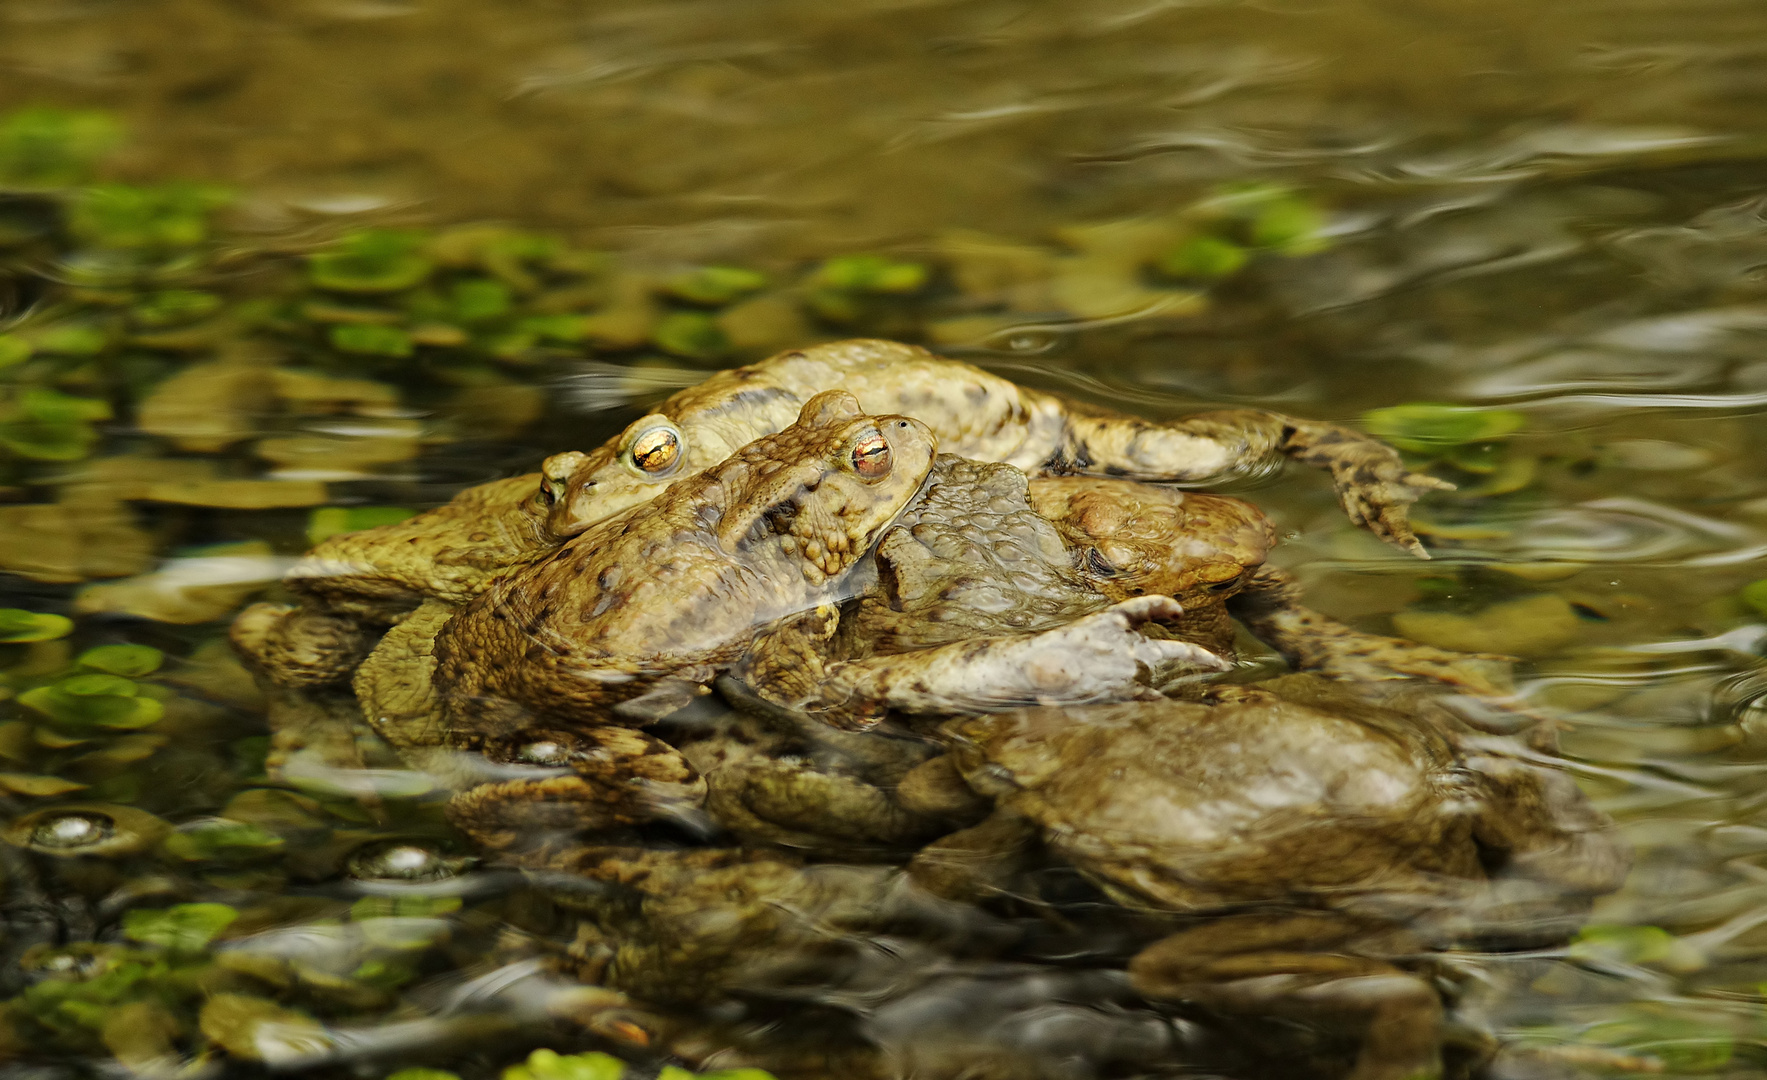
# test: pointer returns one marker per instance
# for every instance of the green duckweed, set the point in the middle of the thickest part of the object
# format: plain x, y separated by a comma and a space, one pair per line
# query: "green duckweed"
19, 625
181, 928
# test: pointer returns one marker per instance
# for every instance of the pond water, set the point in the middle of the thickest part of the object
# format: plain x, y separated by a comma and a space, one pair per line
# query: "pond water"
270, 273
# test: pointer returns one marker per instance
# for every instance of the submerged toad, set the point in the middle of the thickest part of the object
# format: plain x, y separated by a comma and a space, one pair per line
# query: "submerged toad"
1325, 839
451, 552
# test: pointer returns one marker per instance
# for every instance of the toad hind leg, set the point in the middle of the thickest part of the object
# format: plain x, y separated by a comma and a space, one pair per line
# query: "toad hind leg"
1270, 608
1372, 482
1295, 965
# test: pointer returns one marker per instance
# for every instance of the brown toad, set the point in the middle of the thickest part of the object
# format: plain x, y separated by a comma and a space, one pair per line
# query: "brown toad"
1317, 839
451, 552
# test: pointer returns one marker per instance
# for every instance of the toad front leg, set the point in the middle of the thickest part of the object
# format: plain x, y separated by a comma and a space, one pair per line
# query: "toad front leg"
1305, 965
1372, 482
1099, 658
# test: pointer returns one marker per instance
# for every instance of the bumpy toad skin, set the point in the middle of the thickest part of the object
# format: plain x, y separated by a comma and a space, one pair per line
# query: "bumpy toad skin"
1334, 834
974, 415
451, 551
448, 553
977, 605
651, 602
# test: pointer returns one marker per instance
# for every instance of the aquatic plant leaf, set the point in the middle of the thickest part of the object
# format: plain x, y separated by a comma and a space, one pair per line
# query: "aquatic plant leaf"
1627, 944
47, 147
97, 700
1754, 594
367, 339
127, 660
715, 285
168, 216
1429, 428
1203, 257
692, 334
422, 1074
38, 786
17, 624
14, 350
371, 261
55, 407
568, 329
96, 685
328, 521
173, 307
551, 1065
871, 274
179, 928
72, 339
1289, 226
222, 840
479, 300
48, 442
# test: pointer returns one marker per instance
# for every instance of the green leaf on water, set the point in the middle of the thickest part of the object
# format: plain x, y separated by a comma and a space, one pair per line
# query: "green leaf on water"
1203, 257
551, 1065
1625, 944
715, 285
17, 624
1754, 594
47, 441
173, 307
82, 702
367, 339
129, 660
479, 299
55, 407
371, 261
693, 334
328, 521
221, 840
870, 274
46, 147
1428, 428
562, 328
179, 928
72, 339
167, 216
14, 350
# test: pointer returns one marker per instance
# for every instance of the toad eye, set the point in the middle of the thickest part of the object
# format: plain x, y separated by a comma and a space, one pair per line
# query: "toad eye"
656, 450
871, 456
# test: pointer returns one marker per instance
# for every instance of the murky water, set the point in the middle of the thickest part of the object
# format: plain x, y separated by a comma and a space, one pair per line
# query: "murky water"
1556, 214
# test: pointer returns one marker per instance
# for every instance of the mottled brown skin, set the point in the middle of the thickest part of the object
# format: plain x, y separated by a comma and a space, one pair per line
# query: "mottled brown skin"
1323, 836
981, 416
448, 553
976, 606
451, 552
650, 602
630, 620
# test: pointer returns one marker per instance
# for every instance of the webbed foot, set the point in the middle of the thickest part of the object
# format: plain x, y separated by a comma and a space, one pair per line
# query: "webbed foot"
1373, 485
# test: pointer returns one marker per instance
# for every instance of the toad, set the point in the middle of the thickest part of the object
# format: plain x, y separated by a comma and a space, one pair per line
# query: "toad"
553, 669
985, 558
451, 552
1310, 840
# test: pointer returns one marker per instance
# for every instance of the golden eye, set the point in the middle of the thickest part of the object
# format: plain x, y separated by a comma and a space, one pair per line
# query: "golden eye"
871, 456
657, 450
